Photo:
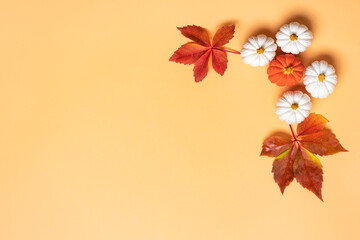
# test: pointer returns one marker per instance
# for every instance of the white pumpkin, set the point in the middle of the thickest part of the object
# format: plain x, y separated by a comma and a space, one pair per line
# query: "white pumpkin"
293, 107
294, 38
320, 79
258, 50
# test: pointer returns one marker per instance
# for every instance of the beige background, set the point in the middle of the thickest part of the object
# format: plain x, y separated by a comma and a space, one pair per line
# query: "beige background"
101, 137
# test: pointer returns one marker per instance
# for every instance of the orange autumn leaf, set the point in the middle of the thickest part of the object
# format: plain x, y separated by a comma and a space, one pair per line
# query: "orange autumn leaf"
295, 158
202, 48
308, 171
315, 137
283, 168
276, 144
285, 70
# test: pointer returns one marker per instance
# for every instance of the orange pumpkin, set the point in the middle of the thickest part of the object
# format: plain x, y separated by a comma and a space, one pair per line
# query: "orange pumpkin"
285, 70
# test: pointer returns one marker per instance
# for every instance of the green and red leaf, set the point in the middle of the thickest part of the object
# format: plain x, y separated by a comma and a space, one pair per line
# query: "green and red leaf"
283, 168
276, 144
295, 158
308, 171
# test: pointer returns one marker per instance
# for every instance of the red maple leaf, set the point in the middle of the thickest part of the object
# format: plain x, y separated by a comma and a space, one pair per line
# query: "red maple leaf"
199, 51
295, 157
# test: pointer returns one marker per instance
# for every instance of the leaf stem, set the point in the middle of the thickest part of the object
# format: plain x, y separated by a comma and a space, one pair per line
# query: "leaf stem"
229, 51
292, 132
296, 141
